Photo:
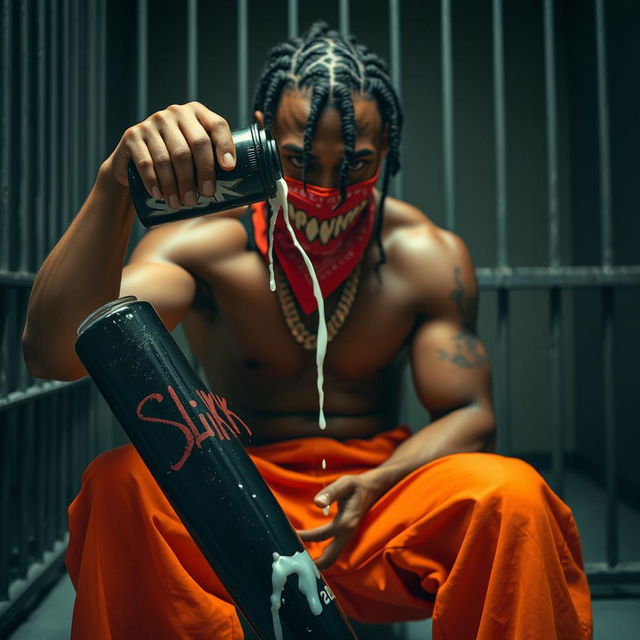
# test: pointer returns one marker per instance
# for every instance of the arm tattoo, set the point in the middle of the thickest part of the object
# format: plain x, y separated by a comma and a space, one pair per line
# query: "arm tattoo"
467, 352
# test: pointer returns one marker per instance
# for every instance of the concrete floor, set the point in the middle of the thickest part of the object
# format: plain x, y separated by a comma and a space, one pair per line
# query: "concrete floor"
614, 619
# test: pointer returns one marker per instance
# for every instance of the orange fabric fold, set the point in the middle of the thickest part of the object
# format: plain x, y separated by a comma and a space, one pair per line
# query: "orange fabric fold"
477, 541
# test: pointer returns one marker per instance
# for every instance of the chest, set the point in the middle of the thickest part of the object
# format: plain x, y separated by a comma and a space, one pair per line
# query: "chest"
247, 329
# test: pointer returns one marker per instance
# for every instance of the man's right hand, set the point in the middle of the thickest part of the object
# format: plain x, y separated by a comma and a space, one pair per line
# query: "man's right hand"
165, 148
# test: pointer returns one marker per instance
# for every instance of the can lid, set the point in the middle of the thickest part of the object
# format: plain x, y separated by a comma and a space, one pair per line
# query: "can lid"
103, 311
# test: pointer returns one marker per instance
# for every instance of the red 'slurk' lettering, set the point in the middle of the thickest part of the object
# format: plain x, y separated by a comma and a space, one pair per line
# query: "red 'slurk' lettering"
218, 415
185, 430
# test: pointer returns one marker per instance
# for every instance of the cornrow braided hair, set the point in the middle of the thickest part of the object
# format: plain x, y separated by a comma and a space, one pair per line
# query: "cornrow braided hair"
334, 67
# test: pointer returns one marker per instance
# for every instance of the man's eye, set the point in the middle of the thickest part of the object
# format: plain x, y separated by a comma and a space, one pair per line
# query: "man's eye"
356, 165
296, 161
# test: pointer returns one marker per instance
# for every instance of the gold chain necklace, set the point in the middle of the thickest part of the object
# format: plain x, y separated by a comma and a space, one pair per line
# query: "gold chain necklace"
301, 334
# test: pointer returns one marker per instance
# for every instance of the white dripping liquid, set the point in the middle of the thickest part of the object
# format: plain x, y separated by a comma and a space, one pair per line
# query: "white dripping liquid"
282, 567
277, 203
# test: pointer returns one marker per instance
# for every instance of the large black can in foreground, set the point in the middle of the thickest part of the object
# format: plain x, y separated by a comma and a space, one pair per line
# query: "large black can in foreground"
193, 443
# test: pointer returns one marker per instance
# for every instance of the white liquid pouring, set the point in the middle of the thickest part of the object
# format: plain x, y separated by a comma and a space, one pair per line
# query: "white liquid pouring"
277, 203
283, 566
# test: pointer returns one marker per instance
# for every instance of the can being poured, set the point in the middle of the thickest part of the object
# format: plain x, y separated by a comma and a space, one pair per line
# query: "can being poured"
253, 179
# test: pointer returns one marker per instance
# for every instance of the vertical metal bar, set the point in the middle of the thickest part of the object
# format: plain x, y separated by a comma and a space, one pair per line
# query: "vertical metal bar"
75, 123
552, 133
292, 17
610, 430
41, 449
500, 133
556, 346
24, 203
608, 293
42, 136
557, 390
5, 496
11, 344
603, 135
448, 115
143, 60
102, 69
11, 540
92, 72
22, 299
243, 62
6, 125
345, 27
192, 50
504, 444
504, 408
65, 145
54, 208
53, 446
63, 467
396, 71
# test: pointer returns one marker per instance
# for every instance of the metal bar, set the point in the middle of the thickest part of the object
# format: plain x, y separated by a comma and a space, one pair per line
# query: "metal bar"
24, 378
16, 278
610, 428
65, 62
92, 85
5, 387
6, 126
552, 133
396, 73
243, 62
192, 50
74, 121
63, 468
292, 17
41, 234
343, 20
604, 139
102, 68
53, 404
143, 60
12, 463
566, 277
5, 512
16, 398
10, 348
504, 396
623, 573
557, 390
448, 116
24, 200
41, 454
54, 207
500, 134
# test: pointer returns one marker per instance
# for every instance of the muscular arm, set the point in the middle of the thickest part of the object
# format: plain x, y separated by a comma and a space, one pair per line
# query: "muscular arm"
451, 370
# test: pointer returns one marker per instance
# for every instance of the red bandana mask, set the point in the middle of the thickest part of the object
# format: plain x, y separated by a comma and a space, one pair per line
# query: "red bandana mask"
334, 239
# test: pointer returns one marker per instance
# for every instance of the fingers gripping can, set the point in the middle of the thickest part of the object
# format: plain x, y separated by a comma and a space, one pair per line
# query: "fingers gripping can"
193, 443
253, 179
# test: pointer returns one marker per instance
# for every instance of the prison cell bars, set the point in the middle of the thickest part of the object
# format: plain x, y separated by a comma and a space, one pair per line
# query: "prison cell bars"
63, 64
52, 138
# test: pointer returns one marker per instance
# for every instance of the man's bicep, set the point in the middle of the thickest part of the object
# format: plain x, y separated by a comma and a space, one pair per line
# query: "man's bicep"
450, 367
167, 286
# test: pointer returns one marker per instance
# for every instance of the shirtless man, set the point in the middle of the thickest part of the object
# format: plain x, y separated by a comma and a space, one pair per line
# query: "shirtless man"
476, 540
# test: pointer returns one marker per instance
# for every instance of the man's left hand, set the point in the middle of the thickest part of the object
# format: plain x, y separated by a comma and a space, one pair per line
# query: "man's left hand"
355, 495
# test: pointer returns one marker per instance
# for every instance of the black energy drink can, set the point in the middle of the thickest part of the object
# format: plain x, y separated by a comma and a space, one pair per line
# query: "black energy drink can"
253, 179
192, 441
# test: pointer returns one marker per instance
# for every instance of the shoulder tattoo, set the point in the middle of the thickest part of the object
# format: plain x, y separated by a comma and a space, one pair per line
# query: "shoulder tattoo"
467, 351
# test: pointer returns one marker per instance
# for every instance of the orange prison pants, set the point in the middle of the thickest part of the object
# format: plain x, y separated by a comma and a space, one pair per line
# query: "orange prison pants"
478, 541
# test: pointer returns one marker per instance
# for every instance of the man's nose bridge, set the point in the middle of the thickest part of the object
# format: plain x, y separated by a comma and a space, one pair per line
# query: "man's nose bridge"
327, 177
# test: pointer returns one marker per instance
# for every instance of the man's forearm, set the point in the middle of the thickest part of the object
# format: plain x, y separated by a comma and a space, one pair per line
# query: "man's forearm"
466, 429
82, 272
